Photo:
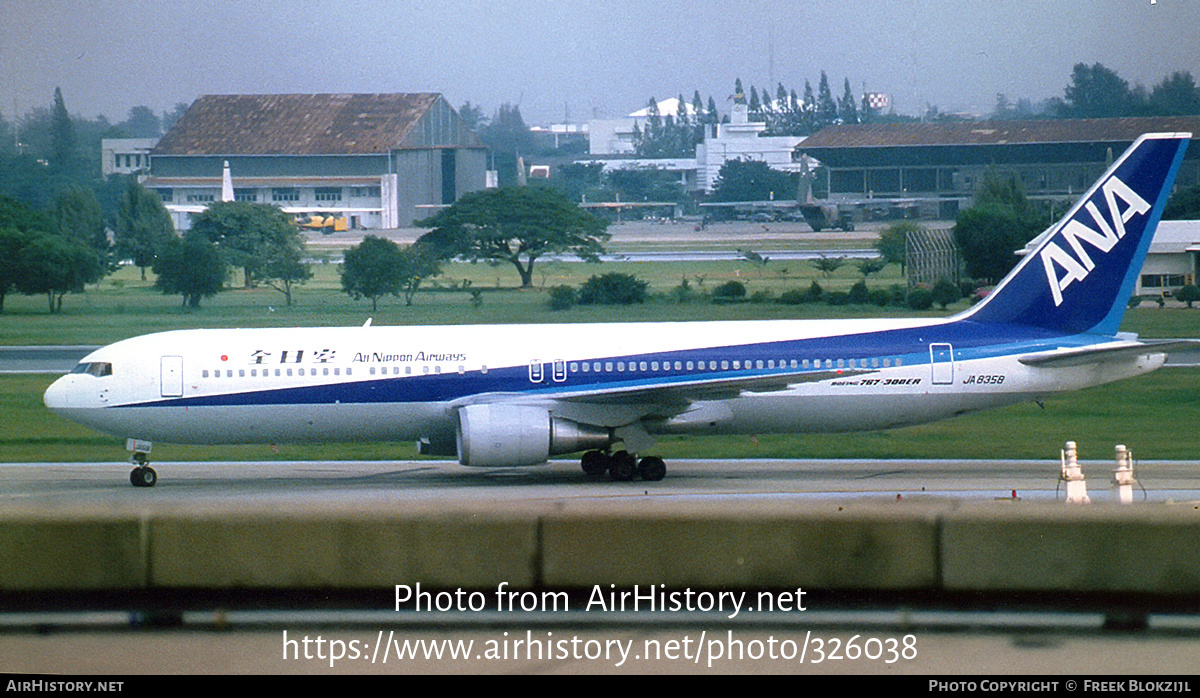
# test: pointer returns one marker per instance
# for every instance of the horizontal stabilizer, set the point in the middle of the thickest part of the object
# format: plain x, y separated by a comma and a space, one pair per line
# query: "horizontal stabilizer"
1095, 355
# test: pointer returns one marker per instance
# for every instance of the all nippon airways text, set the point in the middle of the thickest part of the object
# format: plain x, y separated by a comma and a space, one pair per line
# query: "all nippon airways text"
603, 599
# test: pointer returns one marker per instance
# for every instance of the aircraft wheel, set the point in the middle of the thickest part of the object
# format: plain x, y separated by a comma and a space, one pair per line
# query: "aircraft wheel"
143, 476
623, 466
595, 464
652, 468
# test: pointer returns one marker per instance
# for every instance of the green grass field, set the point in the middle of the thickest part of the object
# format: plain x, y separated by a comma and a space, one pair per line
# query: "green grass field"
1153, 414
125, 306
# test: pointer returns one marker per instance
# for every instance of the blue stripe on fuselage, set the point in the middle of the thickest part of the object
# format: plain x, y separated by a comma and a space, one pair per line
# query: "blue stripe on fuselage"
970, 339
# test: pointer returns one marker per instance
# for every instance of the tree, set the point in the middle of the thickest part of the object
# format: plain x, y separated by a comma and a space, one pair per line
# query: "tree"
1188, 294
509, 138
1183, 204
472, 116
372, 269
515, 225
848, 106
869, 266
57, 265
1176, 95
169, 118
12, 241
141, 123
828, 265
78, 215
988, 238
989, 233
645, 184
826, 108
284, 267
752, 180
62, 137
143, 225
247, 234
1096, 92
191, 267
417, 263
893, 243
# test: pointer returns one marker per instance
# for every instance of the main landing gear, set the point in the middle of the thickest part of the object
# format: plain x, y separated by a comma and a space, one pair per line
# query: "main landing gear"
142, 474
622, 466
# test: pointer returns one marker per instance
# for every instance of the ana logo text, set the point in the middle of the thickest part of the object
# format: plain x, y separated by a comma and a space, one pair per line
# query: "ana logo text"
1076, 267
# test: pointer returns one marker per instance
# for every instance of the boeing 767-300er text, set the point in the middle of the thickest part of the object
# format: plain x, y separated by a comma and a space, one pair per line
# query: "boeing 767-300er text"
514, 395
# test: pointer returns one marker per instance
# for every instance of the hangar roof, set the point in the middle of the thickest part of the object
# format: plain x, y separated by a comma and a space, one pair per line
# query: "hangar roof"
954, 133
312, 124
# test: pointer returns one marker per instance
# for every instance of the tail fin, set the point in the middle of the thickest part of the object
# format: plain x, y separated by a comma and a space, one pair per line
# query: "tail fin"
1080, 273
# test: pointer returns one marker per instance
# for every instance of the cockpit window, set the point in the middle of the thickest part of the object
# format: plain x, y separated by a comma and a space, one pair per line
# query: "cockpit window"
98, 369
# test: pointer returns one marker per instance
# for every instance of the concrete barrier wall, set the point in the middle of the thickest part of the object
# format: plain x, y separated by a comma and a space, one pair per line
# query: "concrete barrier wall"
881, 546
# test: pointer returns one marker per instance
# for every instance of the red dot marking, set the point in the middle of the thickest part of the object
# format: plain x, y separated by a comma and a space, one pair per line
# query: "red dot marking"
224, 357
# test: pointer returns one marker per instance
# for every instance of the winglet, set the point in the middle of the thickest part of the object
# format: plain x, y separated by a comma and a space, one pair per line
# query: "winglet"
1079, 275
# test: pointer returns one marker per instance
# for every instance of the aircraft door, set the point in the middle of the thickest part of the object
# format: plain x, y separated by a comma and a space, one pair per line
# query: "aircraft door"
535, 371
172, 376
941, 357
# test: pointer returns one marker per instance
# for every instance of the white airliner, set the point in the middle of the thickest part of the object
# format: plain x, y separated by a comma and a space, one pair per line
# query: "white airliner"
514, 395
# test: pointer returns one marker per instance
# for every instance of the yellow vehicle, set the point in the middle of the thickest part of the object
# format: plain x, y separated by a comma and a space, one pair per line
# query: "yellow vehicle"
326, 223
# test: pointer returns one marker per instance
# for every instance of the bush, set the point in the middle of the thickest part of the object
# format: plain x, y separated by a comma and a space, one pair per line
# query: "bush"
613, 289
879, 297
944, 293
859, 293
730, 289
920, 299
796, 296
1188, 294
563, 297
683, 293
793, 297
728, 292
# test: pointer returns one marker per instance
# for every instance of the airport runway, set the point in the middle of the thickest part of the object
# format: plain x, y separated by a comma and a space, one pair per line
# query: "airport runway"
266, 485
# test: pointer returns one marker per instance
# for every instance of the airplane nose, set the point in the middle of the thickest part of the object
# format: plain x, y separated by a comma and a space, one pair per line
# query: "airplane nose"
58, 395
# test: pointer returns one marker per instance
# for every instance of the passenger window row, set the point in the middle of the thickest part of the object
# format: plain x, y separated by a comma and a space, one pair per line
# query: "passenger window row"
725, 365
266, 372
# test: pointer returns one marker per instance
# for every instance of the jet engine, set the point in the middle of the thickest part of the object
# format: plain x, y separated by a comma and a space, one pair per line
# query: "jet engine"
492, 435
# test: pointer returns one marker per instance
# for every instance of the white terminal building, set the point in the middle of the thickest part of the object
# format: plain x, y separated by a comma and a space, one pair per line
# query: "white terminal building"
611, 142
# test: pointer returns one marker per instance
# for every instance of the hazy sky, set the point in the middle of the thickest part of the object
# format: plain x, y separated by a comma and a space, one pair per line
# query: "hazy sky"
593, 58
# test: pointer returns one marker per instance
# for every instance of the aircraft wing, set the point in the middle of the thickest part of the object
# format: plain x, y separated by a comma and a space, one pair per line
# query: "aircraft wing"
683, 394
1094, 355
670, 397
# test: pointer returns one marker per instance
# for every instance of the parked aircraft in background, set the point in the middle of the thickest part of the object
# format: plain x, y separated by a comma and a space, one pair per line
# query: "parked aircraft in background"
514, 395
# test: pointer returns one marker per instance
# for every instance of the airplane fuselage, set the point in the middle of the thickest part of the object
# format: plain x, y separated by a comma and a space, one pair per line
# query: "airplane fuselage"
405, 383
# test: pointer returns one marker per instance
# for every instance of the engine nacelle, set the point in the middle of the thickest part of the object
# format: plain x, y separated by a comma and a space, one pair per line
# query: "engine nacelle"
496, 435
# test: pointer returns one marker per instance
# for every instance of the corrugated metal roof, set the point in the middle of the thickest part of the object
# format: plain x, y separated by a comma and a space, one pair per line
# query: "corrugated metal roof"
296, 124
996, 132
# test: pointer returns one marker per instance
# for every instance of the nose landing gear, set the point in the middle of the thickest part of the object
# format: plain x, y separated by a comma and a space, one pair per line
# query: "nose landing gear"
142, 474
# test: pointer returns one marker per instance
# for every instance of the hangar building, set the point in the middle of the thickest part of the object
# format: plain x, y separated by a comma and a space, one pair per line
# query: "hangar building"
377, 160
936, 167
1172, 259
